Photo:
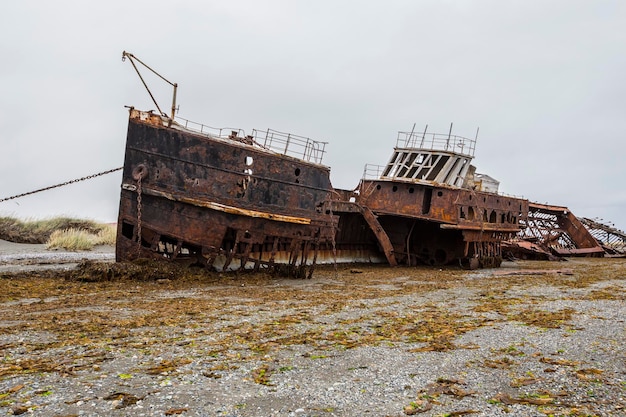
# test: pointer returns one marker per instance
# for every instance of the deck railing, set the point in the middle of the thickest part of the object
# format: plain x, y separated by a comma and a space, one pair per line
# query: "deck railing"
437, 142
373, 172
279, 142
289, 144
220, 132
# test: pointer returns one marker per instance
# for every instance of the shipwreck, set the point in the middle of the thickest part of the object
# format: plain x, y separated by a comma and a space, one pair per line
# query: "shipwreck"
227, 200
428, 205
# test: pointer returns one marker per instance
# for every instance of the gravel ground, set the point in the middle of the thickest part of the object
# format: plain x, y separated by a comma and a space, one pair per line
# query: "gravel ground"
529, 339
15, 257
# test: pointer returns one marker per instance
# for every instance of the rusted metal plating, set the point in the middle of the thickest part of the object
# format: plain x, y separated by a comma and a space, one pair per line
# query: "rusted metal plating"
221, 202
436, 225
433, 209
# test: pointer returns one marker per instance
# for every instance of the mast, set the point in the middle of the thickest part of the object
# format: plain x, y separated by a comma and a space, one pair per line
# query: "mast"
132, 58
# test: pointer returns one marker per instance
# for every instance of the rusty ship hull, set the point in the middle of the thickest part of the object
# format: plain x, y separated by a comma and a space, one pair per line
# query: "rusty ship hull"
221, 201
437, 225
232, 201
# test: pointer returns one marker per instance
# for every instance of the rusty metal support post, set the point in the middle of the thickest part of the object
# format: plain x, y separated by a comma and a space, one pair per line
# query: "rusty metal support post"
174, 101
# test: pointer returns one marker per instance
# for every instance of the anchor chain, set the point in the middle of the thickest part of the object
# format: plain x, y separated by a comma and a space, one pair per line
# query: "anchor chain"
139, 177
61, 184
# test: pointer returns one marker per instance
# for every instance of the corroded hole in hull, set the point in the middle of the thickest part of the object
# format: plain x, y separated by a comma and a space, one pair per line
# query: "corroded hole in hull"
295, 257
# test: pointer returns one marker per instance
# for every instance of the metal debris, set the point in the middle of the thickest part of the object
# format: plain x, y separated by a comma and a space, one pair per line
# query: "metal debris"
553, 232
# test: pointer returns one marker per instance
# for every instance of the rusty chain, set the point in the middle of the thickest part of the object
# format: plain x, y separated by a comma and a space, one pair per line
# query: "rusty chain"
139, 214
61, 185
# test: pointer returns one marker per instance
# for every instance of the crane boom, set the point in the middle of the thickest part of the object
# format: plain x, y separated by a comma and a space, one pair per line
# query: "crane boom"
132, 58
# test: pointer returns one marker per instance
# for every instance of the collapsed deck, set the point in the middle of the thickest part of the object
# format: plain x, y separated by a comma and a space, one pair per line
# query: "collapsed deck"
552, 232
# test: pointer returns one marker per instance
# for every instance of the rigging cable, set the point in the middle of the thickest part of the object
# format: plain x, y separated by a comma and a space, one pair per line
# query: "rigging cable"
61, 185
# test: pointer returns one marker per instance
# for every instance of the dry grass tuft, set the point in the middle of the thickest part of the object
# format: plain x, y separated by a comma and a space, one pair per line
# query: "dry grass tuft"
39, 231
107, 235
81, 239
71, 239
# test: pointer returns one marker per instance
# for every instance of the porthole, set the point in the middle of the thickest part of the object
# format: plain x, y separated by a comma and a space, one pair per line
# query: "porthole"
297, 172
439, 193
395, 188
378, 187
411, 190
249, 160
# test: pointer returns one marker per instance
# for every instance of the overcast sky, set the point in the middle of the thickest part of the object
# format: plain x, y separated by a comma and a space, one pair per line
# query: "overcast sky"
544, 80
